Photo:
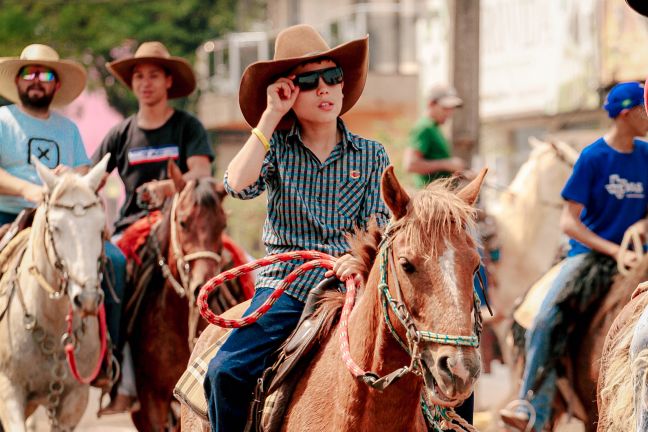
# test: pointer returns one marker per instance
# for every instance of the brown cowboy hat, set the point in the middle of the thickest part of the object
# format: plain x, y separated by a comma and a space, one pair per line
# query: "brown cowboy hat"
184, 81
294, 46
641, 6
70, 74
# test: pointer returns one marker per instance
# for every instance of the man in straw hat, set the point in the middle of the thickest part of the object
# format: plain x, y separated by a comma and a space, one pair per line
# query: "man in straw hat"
141, 145
322, 181
35, 82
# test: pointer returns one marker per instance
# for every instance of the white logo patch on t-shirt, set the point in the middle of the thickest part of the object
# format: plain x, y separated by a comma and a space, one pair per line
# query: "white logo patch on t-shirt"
622, 188
144, 155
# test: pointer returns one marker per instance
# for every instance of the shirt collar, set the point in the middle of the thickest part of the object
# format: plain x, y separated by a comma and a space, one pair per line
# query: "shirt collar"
348, 139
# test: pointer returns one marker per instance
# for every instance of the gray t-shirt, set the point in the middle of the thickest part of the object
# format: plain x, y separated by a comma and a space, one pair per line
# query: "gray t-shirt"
55, 141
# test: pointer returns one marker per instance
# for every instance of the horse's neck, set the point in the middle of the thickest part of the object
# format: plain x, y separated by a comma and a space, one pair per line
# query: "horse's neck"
374, 349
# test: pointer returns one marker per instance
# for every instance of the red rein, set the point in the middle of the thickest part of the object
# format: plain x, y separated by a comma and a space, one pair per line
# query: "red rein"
69, 346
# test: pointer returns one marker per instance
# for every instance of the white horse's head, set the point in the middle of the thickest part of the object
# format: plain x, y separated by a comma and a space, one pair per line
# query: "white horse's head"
73, 222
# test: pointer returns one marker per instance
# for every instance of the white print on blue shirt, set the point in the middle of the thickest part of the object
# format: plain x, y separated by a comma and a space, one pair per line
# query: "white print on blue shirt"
622, 188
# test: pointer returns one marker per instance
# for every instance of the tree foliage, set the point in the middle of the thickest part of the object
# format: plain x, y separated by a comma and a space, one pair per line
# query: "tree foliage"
97, 31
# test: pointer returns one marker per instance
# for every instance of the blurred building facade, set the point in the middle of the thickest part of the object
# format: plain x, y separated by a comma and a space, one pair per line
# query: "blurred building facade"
545, 66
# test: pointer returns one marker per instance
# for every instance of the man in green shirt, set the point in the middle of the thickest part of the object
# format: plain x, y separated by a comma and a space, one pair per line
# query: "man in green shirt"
428, 155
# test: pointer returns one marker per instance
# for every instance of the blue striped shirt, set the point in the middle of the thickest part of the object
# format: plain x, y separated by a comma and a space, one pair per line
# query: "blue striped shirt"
312, 205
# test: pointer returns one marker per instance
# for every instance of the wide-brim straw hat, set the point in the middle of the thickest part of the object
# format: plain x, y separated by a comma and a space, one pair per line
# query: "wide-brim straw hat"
184, 80
70, 74
294, 46
640, 6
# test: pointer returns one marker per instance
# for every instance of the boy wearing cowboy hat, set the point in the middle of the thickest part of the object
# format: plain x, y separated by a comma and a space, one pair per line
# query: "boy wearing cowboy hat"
322, 181
34, 82
141, 145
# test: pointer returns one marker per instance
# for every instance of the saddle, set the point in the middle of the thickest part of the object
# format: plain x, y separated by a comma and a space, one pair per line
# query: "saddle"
8, 231
274, 389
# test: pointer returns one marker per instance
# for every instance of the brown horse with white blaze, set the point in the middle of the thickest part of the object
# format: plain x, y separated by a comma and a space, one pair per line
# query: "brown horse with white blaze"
425, 264
190, 240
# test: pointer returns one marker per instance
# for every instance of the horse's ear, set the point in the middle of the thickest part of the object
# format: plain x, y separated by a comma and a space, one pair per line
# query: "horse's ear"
176, 175
47, 176
470, 193
393, 193
220, 190
96, 174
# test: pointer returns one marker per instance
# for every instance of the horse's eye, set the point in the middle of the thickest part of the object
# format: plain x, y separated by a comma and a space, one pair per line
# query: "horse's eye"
406, 265
184, 225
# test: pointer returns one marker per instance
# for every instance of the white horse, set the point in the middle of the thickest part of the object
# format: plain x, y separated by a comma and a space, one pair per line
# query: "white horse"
528, 228
56, 274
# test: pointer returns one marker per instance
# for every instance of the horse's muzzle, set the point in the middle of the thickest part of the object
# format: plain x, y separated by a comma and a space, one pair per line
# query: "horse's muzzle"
88, 301
452, 371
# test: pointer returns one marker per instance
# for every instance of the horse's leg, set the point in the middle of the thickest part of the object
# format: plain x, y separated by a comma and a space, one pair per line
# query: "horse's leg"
12, 405
72, 407
153, 414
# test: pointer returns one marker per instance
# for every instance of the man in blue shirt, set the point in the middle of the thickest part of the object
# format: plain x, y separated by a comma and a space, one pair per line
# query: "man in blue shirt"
34, 82
605, 195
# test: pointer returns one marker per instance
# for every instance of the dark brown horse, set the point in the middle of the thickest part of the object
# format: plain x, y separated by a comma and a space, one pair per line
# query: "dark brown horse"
189, 240
585, 353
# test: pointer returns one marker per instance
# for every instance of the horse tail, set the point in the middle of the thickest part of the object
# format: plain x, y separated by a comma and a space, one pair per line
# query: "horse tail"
617, 413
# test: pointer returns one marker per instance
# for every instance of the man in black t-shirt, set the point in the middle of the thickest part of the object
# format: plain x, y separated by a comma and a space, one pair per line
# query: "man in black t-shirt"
141, 145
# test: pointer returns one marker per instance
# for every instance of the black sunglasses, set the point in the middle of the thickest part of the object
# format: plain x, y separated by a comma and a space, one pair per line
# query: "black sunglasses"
310, 80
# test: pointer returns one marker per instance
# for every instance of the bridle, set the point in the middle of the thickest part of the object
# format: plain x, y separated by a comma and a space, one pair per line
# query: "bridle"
53, 256
183, 267
414, 337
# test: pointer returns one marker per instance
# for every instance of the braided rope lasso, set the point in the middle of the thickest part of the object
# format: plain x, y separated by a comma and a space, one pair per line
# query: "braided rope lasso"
319, 259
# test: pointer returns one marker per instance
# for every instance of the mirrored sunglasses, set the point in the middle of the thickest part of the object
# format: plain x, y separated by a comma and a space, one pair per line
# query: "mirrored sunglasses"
310, 80
43, 76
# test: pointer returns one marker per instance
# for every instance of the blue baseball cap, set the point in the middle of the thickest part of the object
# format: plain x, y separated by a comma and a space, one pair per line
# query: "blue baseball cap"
622, 96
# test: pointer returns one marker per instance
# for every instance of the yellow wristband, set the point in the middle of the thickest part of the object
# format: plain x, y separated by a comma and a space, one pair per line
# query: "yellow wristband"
261, 138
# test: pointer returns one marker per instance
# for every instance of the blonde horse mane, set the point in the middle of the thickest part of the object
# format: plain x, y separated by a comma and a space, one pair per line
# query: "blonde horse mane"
435, 213
617, 387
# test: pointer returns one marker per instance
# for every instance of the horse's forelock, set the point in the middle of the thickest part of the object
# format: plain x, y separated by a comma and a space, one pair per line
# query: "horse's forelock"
435, 213
70, 184
204, 193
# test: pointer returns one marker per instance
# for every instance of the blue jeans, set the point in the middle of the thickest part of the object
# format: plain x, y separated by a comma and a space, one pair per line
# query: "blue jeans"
115, 274
538, 345
6, 218
240, 362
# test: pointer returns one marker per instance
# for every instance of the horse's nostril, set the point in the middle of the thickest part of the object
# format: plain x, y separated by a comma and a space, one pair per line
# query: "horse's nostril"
443, 365
77, 301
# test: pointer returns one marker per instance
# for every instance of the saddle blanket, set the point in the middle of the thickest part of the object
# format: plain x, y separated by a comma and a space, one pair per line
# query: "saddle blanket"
189, 389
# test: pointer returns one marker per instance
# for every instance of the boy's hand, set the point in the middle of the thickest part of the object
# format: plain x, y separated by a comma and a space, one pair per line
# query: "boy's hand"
347, 266
282, 95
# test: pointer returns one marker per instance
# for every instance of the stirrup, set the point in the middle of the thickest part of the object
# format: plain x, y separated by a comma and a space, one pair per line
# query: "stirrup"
523, 403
